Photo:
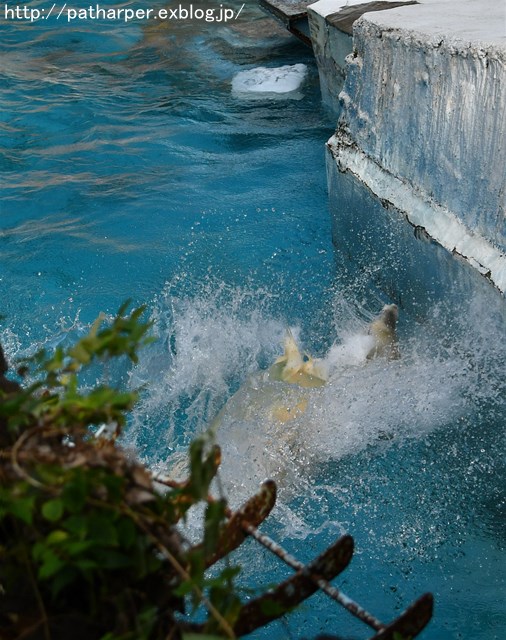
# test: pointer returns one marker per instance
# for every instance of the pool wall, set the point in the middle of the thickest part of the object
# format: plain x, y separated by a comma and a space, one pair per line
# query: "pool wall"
421, 95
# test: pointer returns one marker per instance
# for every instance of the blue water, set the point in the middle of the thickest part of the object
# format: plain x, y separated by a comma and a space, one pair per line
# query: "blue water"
129, 170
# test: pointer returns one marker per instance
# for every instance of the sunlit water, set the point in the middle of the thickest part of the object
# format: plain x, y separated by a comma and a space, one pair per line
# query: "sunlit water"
129, 170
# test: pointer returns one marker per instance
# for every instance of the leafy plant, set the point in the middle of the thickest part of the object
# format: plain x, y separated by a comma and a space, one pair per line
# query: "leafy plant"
89, 547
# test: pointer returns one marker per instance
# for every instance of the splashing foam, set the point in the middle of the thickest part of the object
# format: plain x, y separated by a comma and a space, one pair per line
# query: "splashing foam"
208, 344
225, 338
209, 366
363, 403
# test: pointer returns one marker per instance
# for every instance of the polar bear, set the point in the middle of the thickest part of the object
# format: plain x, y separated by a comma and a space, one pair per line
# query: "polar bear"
294, 368
262, 397
383, 332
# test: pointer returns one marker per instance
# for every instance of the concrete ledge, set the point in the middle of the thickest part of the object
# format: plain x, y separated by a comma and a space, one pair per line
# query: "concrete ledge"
423, 117
292, 14
345, 18
330, 46
286, 10
331, 27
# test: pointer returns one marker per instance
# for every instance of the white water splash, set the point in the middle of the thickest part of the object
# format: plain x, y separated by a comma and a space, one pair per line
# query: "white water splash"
225, 338
208, 344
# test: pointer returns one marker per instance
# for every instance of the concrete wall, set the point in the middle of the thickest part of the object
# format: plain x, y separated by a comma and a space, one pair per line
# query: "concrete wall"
330, 46
423, 117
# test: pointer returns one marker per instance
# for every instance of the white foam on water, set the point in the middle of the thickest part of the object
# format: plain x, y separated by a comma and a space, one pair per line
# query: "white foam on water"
11, 343
208, 344
285, 81
209, 367
217, 345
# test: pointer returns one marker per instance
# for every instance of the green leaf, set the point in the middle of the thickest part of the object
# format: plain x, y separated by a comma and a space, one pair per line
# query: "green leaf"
56, 537
38, 551
51, 564
77, 525
102, 530
52, 510
19, 507
74, 493
184, 588
214, 517
224, 578
56, 362
80, 353
124, 306
202, 468
77, 548
86, 564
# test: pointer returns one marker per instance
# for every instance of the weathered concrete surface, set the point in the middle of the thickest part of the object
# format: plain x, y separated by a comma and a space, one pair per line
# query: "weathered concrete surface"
286, 9
330, 46
381, 255
423, 121
330, 26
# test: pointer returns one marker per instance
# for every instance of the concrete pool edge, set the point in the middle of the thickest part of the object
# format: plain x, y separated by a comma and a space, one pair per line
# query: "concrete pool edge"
439, 223
423, 116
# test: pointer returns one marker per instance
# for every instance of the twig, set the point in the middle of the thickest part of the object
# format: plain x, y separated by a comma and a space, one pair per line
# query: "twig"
40, 602
186, 576
336, 595
26, 435
325, 586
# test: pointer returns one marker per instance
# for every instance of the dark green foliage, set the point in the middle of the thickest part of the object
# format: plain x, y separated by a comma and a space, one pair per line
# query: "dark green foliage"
88, 547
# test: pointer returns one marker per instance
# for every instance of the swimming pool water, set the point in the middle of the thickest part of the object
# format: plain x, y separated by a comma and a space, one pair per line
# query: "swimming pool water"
129, 170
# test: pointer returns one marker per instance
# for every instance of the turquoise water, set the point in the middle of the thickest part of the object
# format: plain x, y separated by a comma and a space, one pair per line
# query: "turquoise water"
129, 170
